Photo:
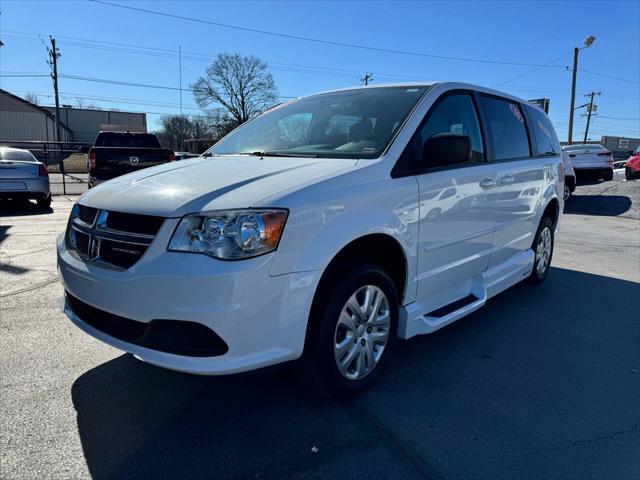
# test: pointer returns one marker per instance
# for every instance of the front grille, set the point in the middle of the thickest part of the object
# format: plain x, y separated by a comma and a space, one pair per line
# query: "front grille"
111, 238
121, 254
140, 224
82, 242
171, 336
87, 214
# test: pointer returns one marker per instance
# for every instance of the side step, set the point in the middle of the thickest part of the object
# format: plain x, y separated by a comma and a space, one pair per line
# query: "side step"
453, 306
415, 323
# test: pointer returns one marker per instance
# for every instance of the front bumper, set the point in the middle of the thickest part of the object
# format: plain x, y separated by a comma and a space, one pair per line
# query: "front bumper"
261, 318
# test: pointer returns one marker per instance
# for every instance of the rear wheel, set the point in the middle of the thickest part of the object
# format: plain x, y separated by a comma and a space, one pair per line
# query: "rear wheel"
608, 176
567, 192
44, 202
628, 173
543, 249
353, 329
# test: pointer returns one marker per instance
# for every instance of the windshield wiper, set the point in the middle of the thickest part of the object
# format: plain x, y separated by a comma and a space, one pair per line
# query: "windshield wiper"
280, 154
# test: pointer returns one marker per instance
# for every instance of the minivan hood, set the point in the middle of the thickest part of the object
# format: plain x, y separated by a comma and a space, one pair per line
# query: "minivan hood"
177, 188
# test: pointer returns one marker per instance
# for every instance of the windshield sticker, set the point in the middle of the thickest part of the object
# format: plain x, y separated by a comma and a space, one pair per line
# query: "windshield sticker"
516, 112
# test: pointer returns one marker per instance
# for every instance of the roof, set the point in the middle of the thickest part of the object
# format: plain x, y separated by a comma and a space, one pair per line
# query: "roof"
445, 85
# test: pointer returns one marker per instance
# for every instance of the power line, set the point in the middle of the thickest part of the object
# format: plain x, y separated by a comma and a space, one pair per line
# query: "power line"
608, 76
318, 40
620, 118
532, 71
202, 57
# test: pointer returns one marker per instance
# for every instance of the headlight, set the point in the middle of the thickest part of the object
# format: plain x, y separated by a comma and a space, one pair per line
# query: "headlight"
230, 235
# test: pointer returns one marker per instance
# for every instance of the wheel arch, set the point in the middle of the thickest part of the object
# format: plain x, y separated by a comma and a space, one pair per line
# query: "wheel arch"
375, 248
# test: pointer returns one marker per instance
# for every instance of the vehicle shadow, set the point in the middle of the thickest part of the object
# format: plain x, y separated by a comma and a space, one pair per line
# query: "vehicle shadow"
609, 205
529, 373
17, 208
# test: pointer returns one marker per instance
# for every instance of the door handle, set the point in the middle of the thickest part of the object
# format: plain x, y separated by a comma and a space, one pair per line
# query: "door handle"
487, 183
506, 180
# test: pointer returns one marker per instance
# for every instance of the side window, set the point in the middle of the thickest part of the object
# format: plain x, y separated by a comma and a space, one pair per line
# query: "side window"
546, 140
507, 128
455, 114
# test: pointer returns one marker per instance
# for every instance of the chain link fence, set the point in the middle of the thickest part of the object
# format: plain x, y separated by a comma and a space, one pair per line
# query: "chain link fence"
66, 162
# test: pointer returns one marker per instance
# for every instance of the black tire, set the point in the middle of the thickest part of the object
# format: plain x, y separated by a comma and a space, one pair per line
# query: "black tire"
567, 192
318, 369
608, 176
538, 275
44, 202
628, 174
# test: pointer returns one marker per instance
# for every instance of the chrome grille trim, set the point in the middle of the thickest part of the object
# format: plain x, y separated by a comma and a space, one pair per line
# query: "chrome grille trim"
98, 232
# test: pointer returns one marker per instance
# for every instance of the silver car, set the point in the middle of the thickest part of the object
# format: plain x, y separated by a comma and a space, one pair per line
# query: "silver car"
22, 176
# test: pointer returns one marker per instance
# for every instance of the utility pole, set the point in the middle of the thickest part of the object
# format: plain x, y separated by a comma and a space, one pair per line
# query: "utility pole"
587, 43
368, 77
54, 54
181, 117
589, 111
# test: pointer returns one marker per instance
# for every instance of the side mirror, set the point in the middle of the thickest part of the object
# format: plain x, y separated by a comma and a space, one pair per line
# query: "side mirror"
446, 149
84, 149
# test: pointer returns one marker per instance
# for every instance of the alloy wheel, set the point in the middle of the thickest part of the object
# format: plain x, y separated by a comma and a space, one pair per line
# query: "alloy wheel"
543, 251
362, 332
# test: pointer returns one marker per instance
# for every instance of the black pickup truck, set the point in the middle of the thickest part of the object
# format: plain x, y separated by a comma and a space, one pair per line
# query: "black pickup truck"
116, 153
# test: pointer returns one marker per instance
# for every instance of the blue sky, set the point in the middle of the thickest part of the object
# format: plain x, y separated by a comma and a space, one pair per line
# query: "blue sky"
519, 32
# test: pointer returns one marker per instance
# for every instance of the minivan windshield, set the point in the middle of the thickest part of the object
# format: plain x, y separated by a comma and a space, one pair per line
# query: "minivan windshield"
356, 123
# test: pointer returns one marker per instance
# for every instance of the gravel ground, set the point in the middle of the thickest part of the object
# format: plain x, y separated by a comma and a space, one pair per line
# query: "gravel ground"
543, 382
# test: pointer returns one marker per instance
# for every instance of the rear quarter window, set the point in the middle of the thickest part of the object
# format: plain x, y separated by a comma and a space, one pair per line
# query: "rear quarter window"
507, 128
545, 136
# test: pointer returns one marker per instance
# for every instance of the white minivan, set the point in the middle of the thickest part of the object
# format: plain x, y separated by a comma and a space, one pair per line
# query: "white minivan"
321, 231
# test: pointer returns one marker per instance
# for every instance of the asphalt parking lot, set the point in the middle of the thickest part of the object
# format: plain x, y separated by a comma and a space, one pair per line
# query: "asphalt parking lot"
544, 382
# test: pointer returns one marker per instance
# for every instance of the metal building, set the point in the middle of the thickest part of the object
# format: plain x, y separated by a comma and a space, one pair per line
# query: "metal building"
23, 121
85, 123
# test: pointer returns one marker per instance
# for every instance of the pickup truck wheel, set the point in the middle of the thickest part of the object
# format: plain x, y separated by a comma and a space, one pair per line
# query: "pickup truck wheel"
355, 327
543, 249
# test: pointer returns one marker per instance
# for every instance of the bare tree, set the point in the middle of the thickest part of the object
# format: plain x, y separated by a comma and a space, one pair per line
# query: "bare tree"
31, 98
240, 84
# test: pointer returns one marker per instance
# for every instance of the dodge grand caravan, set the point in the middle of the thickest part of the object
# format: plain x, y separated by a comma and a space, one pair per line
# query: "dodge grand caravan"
322, 231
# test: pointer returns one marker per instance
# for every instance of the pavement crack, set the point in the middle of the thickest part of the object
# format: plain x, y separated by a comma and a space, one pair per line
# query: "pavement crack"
576, 443
395, 445
44, 283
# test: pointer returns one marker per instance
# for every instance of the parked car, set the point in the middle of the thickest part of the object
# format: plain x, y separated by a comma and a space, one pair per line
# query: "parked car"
632, 166
22, 176
310, 233
590, 161
569, 177
117, 153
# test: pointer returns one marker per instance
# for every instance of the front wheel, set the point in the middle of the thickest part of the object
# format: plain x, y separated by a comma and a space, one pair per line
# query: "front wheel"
543, 248
567, 192
354, 319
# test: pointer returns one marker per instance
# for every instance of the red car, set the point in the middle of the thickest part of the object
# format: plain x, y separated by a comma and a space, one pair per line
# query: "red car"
632, 167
